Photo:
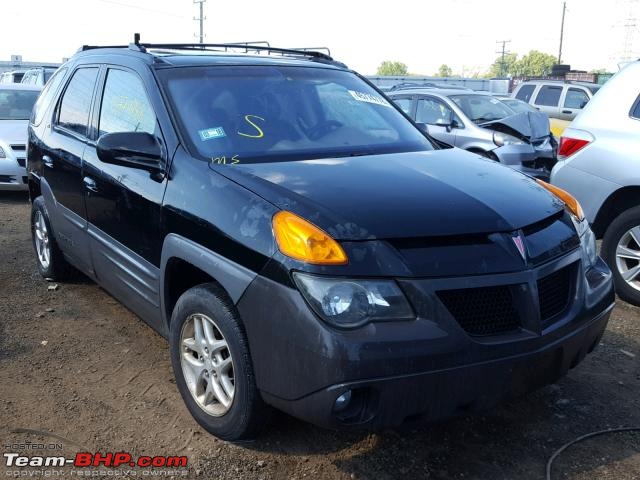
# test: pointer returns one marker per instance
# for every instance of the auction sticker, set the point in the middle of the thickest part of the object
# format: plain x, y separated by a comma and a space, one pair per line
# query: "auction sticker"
211, 133
369, 98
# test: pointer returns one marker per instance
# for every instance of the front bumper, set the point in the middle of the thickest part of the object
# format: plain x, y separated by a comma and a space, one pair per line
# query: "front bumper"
534, 161
429, 368
13, 176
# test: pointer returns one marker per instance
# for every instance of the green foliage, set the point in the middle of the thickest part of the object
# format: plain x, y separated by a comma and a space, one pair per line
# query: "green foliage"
444, 71
389, 67
536, 64
533, 64
510, 61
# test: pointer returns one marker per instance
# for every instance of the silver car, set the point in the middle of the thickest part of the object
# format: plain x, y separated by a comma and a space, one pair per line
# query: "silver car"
557, 98
482, 124
599, 164
16, 103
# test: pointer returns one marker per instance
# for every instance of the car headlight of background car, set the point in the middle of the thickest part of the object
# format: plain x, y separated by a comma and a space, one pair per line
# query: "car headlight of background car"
502, 139
347, 303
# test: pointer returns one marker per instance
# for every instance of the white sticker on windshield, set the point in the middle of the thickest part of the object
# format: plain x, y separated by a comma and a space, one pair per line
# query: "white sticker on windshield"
369, 98
210, 133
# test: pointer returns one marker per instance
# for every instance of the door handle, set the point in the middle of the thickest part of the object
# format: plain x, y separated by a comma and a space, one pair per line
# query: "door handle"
90, 184
567, 111
46, 159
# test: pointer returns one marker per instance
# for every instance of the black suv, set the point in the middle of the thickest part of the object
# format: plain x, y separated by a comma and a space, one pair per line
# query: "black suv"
301, 243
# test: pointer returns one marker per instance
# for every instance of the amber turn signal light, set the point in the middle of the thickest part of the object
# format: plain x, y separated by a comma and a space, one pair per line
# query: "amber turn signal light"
297, 238
569, 200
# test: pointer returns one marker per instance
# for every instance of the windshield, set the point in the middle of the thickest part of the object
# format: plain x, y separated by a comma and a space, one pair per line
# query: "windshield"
518, 106
481, 108
16, 104
241, 114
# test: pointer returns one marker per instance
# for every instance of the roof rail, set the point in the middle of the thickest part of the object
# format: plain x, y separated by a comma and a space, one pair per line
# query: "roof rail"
259, 46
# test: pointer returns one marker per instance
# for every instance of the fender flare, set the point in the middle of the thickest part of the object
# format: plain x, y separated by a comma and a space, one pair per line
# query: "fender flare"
233, 277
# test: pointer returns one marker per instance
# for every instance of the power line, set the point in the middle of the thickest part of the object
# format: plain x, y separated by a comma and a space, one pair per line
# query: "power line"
200, 19
503, 53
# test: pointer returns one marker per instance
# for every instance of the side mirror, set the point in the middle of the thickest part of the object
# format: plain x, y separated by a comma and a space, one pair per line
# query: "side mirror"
448, 124
131, 149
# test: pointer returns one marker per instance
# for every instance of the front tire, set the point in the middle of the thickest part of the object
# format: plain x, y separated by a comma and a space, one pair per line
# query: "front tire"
621, 251
212, 365
51, 262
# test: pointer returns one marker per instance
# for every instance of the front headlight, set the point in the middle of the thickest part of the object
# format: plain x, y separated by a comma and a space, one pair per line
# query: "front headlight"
348, 303
502, 139
588, 243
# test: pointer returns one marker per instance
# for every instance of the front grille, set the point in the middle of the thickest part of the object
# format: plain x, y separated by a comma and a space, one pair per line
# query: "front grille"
554, 292
482, 311
18, 148
22, 162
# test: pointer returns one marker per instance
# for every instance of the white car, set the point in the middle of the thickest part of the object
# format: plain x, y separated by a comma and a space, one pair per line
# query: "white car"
598, 164
16, 103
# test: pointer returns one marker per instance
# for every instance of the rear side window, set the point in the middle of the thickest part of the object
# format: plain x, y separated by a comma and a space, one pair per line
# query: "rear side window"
635, 112
125, 106
549, 96
46, 95
525, 93
76, 101
576, 98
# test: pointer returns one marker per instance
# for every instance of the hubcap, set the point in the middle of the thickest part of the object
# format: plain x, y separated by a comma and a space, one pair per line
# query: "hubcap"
207, 365
43, 249
628, 257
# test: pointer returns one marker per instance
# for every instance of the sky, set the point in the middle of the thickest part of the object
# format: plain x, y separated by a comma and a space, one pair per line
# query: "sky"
422, 34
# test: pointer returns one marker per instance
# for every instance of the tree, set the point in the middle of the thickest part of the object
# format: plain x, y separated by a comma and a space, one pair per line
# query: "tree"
506, 68
535, 64
389, 67
444, 71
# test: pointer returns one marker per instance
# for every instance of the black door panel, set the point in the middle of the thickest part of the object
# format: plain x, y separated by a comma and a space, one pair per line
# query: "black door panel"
62, 151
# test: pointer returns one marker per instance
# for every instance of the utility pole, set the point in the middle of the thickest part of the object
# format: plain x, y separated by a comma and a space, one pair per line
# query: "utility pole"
503, 53
201, 18
564, 9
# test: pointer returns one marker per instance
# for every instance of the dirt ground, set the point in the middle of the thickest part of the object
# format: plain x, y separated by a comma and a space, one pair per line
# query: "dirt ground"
74, 362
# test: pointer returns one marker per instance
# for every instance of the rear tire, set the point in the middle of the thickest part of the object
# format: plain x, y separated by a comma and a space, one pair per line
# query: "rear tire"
51, 262
621, 251
212, 365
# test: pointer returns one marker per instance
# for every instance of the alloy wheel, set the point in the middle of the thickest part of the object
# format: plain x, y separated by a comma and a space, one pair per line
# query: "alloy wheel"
43, 247
207, 364
628, 257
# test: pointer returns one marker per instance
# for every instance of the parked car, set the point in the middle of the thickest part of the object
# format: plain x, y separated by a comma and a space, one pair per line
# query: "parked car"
38, 76
482, 124
14, 76
557, 98
301, 243
16, 103
516, 105
556, 125
599, 165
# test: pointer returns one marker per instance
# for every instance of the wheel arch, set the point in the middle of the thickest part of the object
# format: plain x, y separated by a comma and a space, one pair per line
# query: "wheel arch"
617, 202
185, 264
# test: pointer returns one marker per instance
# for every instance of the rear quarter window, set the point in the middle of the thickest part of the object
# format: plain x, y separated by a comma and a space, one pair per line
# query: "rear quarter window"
76, 101
525, 93
42, 104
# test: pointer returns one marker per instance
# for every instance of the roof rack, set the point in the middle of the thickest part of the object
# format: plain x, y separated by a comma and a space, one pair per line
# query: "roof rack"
260, 46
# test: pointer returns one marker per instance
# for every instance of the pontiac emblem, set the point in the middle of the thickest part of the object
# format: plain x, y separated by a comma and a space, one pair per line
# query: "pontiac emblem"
517, 240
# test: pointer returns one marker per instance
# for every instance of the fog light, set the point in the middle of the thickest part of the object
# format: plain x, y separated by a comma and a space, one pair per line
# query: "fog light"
342, 401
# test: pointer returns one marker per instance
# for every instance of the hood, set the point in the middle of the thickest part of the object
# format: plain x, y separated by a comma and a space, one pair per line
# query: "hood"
401, 195
14, 131
524, 125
